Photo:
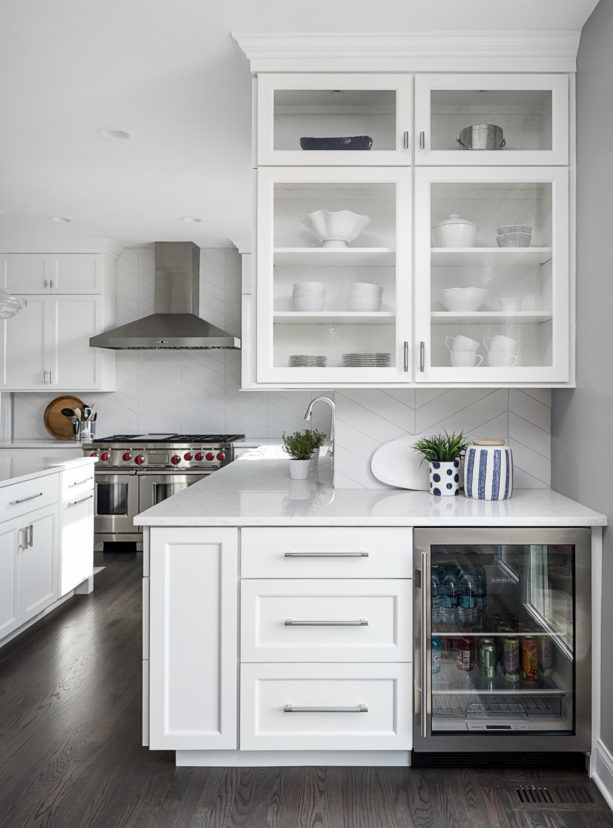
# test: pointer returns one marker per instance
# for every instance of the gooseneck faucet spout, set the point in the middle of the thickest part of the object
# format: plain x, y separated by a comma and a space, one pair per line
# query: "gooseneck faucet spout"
309, 413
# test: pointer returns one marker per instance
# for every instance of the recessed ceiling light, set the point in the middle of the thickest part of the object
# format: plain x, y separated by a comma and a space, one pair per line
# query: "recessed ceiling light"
191, 219
60, 219
113, 134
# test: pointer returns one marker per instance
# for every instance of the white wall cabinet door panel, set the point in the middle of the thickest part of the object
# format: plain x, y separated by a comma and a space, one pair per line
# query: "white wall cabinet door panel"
10, 535
25, 272
326, 620
23, 346
193, 635
54, 273
76, 364
38, 563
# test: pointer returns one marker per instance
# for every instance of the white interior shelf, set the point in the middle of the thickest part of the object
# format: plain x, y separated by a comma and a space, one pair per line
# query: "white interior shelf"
494, 256
333, 317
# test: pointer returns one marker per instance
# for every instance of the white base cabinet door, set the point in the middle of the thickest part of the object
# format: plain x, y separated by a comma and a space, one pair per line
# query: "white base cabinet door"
193, 638
10, 533
38, 564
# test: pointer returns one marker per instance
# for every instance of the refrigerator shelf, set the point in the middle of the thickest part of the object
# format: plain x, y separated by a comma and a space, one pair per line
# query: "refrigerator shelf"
451, 681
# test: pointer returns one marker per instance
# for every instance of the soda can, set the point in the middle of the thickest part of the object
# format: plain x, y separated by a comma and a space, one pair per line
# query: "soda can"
465, 654
510, 658
529, 659
436, 654
487, 658
545, 655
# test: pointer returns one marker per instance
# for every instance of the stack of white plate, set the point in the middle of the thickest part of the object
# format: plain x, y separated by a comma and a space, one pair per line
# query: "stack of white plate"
309, 296
364, 297
367, 360
307, 361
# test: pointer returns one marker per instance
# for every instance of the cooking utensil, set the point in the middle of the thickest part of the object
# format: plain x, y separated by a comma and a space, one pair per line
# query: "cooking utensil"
75, 426
56, 423
481, 137
86, 412
77, 412
68, 412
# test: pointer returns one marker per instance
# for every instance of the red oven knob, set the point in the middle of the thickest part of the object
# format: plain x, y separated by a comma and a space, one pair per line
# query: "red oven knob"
126, 456
209, 455
175, 459
104, 455
93, 454
199, 455
221, 456
139, 460
187, 456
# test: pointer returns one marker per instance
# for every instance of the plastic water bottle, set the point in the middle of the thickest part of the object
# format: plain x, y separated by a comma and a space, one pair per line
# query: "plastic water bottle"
435, 599
436, 654
481, 578
449, 598
467, 596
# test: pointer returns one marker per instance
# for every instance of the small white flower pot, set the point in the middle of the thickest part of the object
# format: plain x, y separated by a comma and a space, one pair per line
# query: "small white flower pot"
299, 469
445, 478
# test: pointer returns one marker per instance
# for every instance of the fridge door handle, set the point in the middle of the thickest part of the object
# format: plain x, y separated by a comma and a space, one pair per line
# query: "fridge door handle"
425, 683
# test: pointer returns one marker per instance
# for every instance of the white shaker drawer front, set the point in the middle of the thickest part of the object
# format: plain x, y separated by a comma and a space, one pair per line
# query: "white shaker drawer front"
326, 552
324, 706
77, 483
21, 498
326, 620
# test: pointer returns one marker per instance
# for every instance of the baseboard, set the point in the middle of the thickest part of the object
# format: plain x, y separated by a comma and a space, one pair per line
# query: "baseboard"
602, 772
292, 758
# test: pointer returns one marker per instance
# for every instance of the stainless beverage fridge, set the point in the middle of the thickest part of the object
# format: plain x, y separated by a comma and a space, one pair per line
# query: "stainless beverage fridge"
502, 641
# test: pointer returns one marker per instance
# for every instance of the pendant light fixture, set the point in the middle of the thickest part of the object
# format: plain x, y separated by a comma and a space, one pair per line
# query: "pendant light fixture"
10, 305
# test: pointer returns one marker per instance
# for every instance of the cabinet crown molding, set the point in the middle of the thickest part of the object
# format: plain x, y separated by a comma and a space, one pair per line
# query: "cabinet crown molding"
427, 51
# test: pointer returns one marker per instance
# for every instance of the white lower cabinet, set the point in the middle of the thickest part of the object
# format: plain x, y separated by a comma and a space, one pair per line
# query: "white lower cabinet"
77, 530
10, 532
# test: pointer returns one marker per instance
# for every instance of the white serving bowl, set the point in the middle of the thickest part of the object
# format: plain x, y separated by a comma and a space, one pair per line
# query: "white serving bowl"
514, 239
364, 303
335, 228
514, 228
463, 299
454, 232
310, 287
309, 303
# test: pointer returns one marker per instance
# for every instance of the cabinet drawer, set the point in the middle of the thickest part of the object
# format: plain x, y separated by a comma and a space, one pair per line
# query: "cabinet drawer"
326, 620
77, 483
328, 552
324, 707
21, 498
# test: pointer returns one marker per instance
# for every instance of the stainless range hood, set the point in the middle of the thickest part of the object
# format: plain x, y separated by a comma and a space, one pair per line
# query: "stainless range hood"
175, 322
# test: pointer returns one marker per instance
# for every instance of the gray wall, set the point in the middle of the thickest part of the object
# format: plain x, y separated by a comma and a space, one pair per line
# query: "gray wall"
582, 419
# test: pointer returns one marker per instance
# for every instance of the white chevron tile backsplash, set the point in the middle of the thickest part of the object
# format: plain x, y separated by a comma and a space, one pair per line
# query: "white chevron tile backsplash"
190, 391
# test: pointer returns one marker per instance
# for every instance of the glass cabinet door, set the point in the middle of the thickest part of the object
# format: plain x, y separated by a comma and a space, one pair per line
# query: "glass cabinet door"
491, 119
334, 119
333, 275
491, 275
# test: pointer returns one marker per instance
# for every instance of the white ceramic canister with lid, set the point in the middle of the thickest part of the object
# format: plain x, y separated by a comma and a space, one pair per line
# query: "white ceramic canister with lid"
488, 471
454, 232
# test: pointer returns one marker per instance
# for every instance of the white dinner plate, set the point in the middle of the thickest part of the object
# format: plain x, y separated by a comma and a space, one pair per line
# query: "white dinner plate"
398, 464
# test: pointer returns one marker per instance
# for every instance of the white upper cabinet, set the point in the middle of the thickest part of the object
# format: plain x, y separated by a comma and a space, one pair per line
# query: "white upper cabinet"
53, 273
490, 119
296, 112
492, 275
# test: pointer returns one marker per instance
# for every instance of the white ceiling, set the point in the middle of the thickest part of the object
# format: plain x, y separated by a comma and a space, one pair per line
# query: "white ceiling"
170, 74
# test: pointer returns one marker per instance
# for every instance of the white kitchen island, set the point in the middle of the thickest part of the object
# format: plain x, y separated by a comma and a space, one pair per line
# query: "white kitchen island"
232, 675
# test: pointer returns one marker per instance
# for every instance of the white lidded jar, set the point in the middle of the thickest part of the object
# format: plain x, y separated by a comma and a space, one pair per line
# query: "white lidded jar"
454, 232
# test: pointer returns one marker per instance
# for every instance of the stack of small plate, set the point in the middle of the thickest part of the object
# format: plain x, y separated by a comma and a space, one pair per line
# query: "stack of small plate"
367, 360
307, 361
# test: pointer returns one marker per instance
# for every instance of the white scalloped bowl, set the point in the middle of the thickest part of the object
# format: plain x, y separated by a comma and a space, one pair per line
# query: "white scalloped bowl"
463, 300
335, 228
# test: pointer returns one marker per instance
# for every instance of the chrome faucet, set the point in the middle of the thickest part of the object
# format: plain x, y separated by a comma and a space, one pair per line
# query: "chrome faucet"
309, 412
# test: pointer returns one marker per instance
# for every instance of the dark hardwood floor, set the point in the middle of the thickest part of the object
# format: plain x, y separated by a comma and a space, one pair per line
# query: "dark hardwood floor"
70, 752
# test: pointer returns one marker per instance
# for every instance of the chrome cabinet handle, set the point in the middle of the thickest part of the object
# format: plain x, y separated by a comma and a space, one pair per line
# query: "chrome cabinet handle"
50, 282
405, 139
358, 622
422, 356
360, 708
82, 500
424, 629
422, 140
45, 377
25, 499
28, 536
326, 554
45, 283
406, 356
80, 482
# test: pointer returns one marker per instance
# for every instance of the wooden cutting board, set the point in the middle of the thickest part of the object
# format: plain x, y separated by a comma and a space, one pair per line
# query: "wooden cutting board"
54, 420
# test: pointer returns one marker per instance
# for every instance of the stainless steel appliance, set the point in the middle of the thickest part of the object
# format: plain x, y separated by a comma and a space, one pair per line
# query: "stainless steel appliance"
502, 642
136, 471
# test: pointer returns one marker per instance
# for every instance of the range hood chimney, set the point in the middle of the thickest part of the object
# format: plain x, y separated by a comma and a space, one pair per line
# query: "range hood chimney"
175, 322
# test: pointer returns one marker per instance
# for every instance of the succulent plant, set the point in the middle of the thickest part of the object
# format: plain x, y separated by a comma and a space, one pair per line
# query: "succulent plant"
442, 447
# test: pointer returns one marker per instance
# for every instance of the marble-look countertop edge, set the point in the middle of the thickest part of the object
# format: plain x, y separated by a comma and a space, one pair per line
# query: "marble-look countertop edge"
416, 523
47, 466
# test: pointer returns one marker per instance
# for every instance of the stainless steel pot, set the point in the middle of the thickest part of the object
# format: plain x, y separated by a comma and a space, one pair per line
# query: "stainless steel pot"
481, 137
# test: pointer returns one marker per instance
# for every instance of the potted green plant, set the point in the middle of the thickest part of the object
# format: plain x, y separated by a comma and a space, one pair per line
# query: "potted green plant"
300, 446
443, 452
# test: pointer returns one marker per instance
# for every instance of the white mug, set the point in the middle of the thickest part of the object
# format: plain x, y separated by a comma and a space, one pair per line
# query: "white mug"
465, 358
502, 358
500, 343
461, 343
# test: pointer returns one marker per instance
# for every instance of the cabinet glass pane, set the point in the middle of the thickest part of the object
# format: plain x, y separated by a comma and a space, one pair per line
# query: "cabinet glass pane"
334, 288
334, 113
523, 117
502, 620
491, 274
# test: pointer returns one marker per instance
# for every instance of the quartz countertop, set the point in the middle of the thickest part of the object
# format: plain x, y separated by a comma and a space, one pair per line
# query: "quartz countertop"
41, 443
14, 467
256, 490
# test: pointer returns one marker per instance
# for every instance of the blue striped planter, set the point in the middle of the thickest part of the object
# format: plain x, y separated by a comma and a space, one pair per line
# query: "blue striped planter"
488, 472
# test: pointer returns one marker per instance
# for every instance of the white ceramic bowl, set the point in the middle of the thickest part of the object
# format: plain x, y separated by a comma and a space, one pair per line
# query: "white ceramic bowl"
310, 287
335, 228
365, 288
514, 239
463, 299
454, 232
514, 228
364, 303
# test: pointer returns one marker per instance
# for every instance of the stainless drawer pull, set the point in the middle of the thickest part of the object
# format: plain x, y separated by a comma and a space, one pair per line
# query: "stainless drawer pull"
359, 622
326, 554
81, 482
82, 500
24, 499
360, 708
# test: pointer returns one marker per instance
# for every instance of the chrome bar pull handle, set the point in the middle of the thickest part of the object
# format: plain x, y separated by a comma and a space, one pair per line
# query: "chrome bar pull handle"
326, 554
29, 536
405, 140
81, 482
82, 500
358, 622
50, 282
406, 356
422, 356
425, 683
359, 708
422, 140
45, 283
25, 499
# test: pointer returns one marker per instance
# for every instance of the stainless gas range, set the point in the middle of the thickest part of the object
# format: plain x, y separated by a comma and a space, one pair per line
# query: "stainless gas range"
136, 471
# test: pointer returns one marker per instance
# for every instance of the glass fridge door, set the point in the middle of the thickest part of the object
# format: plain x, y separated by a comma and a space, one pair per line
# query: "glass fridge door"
501, 635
